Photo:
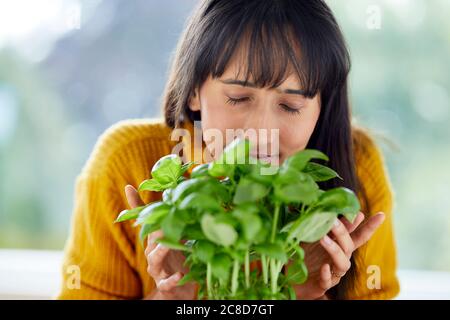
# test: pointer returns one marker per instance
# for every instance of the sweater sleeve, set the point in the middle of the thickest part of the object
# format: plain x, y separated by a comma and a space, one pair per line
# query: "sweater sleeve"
376, 261
97, 252
102, 260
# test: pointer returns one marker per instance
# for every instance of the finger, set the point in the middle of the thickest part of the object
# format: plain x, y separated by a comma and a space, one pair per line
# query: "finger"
365, 231
343, 237
151, 238
340, 261
352, 226
325, 282
155, 261
169, 283
133, 198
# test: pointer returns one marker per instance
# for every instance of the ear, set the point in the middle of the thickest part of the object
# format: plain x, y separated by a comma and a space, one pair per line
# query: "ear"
194, 101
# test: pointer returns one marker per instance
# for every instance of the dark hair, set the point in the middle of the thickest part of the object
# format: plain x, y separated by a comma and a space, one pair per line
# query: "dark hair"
279, 37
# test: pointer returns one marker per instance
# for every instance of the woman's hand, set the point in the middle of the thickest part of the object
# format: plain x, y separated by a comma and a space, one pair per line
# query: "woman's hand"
328, 260
165, 266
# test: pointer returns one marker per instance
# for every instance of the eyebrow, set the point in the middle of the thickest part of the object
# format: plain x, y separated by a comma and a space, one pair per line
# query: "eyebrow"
252, 85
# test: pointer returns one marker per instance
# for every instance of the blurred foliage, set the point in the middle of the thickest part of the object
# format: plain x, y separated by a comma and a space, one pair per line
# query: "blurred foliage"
115, 65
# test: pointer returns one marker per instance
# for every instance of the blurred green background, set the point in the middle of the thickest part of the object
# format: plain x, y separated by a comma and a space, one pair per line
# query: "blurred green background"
69, 69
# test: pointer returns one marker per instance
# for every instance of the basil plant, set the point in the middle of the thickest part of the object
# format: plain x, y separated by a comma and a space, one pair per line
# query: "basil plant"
227, 217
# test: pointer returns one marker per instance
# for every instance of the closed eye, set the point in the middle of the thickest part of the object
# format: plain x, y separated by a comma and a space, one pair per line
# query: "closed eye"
284, 107
234, 101
290, 110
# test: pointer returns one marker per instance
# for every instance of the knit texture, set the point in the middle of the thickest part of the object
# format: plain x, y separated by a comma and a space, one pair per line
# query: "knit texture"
110, 256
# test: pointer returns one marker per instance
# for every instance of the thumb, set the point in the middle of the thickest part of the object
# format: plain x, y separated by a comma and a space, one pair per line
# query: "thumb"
133, 198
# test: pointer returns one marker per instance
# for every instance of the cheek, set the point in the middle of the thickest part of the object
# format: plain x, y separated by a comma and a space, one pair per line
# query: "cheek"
216, 114
216, 118
296, 136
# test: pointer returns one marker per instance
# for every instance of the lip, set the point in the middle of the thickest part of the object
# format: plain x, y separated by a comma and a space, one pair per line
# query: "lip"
266, 158
264, 155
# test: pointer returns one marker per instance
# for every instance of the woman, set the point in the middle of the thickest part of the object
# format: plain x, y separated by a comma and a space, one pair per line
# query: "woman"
240, 64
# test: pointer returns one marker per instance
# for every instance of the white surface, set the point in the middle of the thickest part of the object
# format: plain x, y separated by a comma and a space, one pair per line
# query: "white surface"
29, 274
32, 274
424, 285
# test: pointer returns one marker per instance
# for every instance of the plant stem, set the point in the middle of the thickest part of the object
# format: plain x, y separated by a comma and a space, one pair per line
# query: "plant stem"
302, 211
234, 278
264, 269
290, 246
273, 277
247, 269
272, 262
275, 222
208, 281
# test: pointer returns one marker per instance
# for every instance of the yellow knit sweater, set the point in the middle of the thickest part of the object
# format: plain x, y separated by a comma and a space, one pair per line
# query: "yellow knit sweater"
109, 257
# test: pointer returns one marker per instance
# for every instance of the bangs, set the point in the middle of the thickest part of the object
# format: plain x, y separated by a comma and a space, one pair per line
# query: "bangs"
271, 40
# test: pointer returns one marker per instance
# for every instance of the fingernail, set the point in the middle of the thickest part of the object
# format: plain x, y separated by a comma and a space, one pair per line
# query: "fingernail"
327, 240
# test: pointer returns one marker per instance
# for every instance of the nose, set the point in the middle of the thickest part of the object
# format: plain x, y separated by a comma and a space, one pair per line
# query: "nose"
262, 131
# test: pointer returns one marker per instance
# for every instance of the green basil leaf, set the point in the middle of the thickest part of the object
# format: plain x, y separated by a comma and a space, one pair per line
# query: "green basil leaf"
234, 154
237, 152
167, 169
249, 191
204, 250
263, 234
173, 225
251, 222
320, 172
167, 195
218, 189
299, 160
152, 185
218, 232
220, 266
297, 272
299, 188
200, 201
312, 226
194, 231
260, 172
220, 170
146, 229
187, 187
287, 175
153, 213
340, 200
287, 227
188, 277
130, 214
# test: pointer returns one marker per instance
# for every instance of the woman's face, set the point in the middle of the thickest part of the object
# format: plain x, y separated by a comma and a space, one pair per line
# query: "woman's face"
225, 103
